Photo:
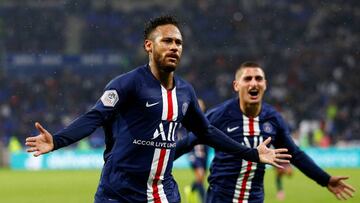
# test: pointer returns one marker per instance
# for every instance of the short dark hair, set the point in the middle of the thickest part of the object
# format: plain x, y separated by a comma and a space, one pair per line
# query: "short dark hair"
250, 64
247, 64
153, 23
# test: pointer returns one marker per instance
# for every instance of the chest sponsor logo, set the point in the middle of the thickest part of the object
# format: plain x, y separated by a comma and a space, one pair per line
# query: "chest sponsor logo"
161, 138
151, 104
229, 130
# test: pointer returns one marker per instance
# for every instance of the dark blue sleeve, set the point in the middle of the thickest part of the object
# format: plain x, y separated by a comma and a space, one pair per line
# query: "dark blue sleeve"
116, 93
78, 129
185, 145
299, 159
196, 122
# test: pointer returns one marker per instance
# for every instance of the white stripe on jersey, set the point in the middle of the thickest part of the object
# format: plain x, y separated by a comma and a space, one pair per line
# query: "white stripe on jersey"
165, 111
244, 181
154, 168
246, 124
239, 181
165, 104
175, 104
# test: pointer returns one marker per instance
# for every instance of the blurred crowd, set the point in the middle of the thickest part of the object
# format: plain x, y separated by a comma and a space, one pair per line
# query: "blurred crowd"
309, 50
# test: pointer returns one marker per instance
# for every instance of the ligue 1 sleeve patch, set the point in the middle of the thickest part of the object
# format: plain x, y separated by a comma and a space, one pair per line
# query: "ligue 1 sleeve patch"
110, 98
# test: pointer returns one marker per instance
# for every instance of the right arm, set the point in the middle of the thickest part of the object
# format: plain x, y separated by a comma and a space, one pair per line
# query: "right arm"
115, 94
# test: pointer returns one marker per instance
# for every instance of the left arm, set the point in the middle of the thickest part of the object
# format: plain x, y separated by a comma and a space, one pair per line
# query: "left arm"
307, 166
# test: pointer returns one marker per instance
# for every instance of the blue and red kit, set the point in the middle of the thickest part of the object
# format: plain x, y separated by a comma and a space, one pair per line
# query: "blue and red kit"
140, 118
233, 179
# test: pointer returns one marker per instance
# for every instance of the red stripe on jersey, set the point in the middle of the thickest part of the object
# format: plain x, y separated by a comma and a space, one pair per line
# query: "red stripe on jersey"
157, 176
251, 127
249, 164
243, 184
170, 106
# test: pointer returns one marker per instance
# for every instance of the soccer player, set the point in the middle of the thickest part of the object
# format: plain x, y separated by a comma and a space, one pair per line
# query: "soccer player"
249, 121
140, 112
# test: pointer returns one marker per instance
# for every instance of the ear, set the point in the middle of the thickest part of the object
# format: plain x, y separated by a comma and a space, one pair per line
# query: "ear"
148, 45
265, 85
235, 86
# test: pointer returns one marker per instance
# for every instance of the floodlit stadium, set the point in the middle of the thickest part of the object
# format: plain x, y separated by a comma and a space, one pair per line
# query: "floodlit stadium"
56, 57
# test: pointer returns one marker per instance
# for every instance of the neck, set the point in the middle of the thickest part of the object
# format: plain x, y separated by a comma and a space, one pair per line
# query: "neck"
165, 78
250, 110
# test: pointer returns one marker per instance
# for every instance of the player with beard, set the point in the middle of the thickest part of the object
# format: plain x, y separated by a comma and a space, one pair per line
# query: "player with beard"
249, 121
140, 112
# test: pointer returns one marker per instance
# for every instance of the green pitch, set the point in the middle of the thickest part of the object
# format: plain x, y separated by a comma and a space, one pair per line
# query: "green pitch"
80, 186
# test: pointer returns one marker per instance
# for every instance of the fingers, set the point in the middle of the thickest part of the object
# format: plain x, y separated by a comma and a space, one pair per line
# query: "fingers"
349, 193
38, 153
32, 149
281, 150
277, 165
337, 195
30, 144
31, 139
283, 161
40, 128
283, 156
342, 196
36, 150
348, 187
342, 177
267, 141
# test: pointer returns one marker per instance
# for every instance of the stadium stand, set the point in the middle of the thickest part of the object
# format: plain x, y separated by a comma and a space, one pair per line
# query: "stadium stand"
309, 48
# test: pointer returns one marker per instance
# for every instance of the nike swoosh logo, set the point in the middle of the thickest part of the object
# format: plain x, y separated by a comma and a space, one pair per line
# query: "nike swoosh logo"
232, 129
150, 105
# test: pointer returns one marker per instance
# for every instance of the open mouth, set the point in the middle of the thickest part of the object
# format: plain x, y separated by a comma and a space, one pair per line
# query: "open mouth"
254, 92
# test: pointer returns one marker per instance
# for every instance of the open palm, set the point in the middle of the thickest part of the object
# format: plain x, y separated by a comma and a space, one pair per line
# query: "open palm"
274, 157
40, 144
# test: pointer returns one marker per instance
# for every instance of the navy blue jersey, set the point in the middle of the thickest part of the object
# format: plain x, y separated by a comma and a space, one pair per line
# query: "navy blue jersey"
233, 179
140, 118
244, 179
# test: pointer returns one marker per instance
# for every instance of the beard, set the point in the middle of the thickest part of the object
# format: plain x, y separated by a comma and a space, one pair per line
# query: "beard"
162, 65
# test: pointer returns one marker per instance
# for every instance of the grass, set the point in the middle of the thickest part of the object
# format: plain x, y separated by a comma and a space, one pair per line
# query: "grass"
80, 186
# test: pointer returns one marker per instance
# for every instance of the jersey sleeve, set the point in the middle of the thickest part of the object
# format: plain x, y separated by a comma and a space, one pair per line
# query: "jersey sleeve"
115, 94
299, 158
196, 122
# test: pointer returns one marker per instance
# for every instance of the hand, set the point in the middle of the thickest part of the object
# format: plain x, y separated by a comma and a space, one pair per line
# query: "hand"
272, 156
40, 144
337, 186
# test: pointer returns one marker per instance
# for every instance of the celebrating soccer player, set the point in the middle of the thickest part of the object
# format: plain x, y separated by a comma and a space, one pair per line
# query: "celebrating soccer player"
250, 121
140, 112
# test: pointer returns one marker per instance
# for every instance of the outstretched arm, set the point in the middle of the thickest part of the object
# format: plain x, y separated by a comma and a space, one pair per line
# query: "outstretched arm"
301, 160
40, 144
78, 129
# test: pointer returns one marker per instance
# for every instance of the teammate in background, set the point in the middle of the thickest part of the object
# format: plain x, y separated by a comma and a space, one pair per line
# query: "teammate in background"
249, 121
140, 112
198, 160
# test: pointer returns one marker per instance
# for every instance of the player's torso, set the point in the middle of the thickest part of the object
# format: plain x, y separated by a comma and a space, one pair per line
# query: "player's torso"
240, 179
143, 134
